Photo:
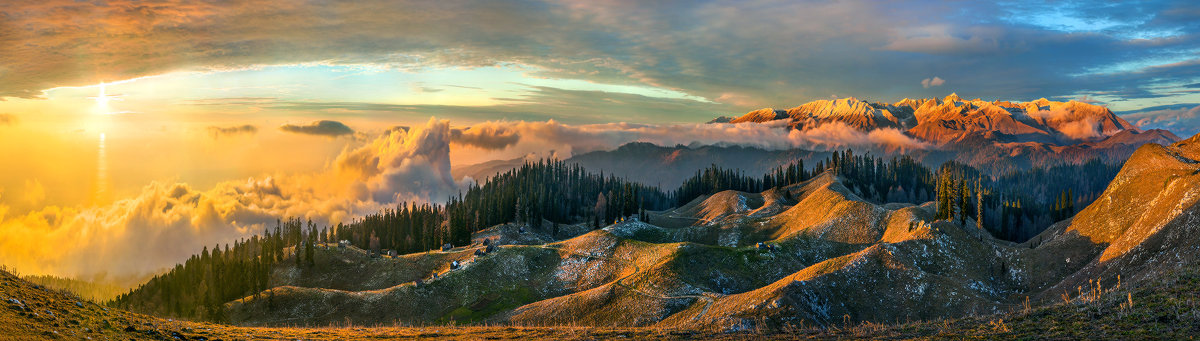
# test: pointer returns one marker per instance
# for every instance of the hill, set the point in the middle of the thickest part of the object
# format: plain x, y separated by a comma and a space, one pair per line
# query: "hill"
815, 253
1162, 309
35, 312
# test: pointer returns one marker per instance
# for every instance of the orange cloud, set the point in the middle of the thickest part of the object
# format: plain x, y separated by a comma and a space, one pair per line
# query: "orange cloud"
167, 222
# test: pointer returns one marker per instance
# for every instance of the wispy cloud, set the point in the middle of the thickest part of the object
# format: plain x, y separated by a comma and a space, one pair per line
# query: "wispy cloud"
245, 129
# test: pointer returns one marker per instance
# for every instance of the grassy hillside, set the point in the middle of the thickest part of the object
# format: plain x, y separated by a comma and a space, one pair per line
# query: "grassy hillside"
813, 254
1165, 308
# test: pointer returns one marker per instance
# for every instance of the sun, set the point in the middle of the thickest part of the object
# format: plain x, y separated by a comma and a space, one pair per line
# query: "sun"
102, 100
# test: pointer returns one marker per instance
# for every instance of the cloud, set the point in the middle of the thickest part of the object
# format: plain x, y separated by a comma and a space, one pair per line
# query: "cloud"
322, 127
1088, 99
1085, 129
489, 135
167, 222
838, 135
402, 166
935, 81
218, 132
540, 103
574, 139
34, 192
8, 119
1183, 121
419, 88
707, 49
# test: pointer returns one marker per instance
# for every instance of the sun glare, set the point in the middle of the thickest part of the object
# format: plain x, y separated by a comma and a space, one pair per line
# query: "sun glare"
102, 100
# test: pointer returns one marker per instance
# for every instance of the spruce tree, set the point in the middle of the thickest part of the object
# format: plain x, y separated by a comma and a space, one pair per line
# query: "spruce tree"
964, 202
308, 247
979, 204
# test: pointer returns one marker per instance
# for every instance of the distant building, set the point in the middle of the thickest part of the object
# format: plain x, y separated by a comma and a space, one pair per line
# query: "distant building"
391, 253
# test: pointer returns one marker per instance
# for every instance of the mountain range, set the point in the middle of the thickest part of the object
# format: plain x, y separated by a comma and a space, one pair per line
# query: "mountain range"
995, 137
953, 120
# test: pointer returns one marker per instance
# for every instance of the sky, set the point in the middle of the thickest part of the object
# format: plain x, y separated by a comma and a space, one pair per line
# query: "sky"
138, 132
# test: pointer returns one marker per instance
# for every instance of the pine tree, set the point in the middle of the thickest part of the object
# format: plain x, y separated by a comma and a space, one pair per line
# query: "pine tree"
979, 204
1070, 203
964, 202
308, 247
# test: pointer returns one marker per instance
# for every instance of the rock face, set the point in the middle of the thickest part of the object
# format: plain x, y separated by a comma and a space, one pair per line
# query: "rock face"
953, 120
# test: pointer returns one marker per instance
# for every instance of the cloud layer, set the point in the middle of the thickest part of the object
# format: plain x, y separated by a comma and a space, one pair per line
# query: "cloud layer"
167, 222
574, 139
711, 49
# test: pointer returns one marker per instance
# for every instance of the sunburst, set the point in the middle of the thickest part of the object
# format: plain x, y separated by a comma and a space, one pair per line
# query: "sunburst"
102, 100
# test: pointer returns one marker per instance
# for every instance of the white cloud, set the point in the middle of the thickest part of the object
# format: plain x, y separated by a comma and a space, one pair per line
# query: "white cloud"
935, 81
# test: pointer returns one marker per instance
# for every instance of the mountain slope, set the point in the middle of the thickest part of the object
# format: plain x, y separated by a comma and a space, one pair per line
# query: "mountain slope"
1143, 224
814, 253
33, 312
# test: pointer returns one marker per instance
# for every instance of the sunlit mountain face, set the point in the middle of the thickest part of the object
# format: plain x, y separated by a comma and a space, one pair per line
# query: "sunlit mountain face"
136, 134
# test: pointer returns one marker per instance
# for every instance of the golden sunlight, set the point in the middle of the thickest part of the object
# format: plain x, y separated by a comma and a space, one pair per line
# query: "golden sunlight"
102, 100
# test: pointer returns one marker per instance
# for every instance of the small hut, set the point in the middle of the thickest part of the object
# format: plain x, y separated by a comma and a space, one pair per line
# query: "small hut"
765, 247
446, 247
454, 265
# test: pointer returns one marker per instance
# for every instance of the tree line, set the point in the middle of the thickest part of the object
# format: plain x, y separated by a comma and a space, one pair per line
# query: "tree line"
199, 287
1015, 206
